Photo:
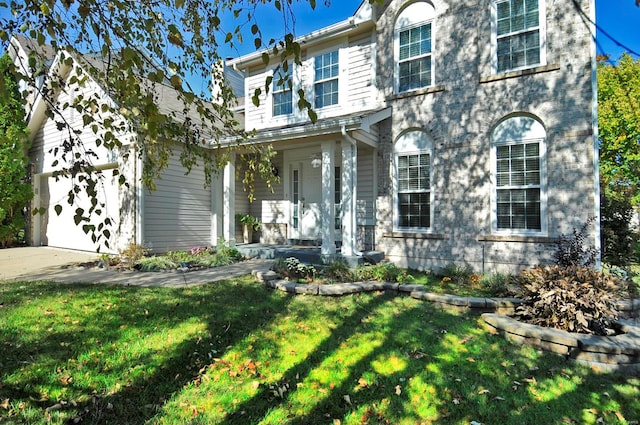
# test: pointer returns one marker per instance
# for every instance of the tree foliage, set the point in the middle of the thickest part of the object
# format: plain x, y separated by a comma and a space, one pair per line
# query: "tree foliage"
137, 52
619, 129
619, 126
15, 192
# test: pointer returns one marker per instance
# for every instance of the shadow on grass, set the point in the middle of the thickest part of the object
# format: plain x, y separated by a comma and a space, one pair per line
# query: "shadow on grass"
85, 360
134, 355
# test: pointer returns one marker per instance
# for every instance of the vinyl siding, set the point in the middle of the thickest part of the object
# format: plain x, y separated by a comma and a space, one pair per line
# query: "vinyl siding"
360, 74
177, 215
365, 204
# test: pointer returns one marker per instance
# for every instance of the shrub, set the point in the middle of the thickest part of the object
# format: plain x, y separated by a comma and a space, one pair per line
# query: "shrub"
571, 249
497, 284
381, 272
456, 274
338, 271
152, 264
226, 255
132, 254
293, 269
575, 299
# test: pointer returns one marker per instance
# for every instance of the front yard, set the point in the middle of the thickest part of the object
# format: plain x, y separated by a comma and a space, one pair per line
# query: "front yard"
234, 352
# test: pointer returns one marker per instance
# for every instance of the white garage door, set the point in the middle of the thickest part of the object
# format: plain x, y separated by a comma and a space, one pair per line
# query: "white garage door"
60, 230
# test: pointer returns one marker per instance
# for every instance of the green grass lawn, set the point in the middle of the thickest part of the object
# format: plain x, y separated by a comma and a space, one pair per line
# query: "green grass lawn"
234, 352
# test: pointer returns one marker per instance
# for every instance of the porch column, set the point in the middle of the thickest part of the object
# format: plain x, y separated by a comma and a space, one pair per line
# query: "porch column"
217, 208
328, 212
349, 196
229, 198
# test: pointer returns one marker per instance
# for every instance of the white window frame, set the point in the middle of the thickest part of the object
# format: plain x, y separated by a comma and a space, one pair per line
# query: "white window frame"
276, 89
413, 142
414, 16
542, 31
519, 130
337, 78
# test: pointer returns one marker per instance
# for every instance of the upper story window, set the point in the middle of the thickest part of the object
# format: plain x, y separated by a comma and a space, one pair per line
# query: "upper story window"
413, 46
518, 152
519, 34
282, 91
326, 79
413, 181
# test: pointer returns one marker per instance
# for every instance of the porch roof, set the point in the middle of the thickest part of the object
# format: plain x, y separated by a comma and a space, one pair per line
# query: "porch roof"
359, 124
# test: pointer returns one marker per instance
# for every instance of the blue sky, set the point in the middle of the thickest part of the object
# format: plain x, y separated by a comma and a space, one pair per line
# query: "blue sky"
619, 18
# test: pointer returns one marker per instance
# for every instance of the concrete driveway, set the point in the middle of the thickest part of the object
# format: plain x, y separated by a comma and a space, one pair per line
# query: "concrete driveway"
30, 261
44, 263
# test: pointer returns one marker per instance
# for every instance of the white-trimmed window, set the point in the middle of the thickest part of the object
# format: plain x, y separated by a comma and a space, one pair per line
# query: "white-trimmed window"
413, 39
282, 91
325, 79
518, 161
413, 194
519, 34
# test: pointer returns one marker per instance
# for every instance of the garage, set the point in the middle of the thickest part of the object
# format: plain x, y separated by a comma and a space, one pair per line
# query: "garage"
60, 230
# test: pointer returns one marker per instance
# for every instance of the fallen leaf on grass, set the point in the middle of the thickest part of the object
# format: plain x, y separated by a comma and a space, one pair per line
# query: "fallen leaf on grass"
483, 392
398, 390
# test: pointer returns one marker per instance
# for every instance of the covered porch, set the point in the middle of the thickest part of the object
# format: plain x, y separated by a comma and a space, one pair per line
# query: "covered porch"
324, 203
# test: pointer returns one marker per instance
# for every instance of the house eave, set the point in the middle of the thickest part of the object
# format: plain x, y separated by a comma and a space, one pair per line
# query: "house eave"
328, 127
359, 21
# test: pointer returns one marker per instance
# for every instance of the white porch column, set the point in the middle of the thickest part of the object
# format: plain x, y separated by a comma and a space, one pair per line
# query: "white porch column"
217, 208
349, 196
328, 212
229, 201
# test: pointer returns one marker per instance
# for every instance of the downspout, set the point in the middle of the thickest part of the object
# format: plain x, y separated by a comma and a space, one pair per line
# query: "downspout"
354, 189
137, 175
596, 144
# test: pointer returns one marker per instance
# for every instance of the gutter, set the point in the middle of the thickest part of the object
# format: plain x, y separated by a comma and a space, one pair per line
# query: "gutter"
315, 37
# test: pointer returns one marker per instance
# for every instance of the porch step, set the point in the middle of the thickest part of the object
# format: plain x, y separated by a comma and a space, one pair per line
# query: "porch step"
306, 254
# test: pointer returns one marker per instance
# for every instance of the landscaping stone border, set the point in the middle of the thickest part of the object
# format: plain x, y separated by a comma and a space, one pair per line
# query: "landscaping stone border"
603, 353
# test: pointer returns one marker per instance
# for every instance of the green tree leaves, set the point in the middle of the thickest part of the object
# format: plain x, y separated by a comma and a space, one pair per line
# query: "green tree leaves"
15, 192
619, 125
619, 130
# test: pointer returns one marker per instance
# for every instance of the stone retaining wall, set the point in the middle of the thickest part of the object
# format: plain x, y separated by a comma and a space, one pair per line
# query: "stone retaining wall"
620, 352
606, 353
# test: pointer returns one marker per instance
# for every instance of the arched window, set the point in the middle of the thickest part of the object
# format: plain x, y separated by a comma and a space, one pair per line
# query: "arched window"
413, 181
413, 42
518, 169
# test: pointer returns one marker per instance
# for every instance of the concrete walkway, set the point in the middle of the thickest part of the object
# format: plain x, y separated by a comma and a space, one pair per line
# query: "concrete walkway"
56, 265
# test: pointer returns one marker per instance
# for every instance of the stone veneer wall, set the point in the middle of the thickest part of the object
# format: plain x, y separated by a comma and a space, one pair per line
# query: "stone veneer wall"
459, 113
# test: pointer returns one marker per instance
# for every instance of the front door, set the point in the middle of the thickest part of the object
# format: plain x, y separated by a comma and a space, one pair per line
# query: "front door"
306, 199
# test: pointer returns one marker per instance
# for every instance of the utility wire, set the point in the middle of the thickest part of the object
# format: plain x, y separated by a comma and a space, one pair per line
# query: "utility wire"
588, 20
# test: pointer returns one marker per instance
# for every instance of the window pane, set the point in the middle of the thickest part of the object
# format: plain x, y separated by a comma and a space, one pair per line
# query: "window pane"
414, 66
515, 48
326, 93
518, 166
414, 209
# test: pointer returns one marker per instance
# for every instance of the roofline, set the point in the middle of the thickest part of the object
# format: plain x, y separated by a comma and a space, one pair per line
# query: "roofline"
316, 37
321, 128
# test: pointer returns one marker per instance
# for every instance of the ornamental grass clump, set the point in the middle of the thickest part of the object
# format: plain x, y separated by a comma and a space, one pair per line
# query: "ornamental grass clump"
575, 299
